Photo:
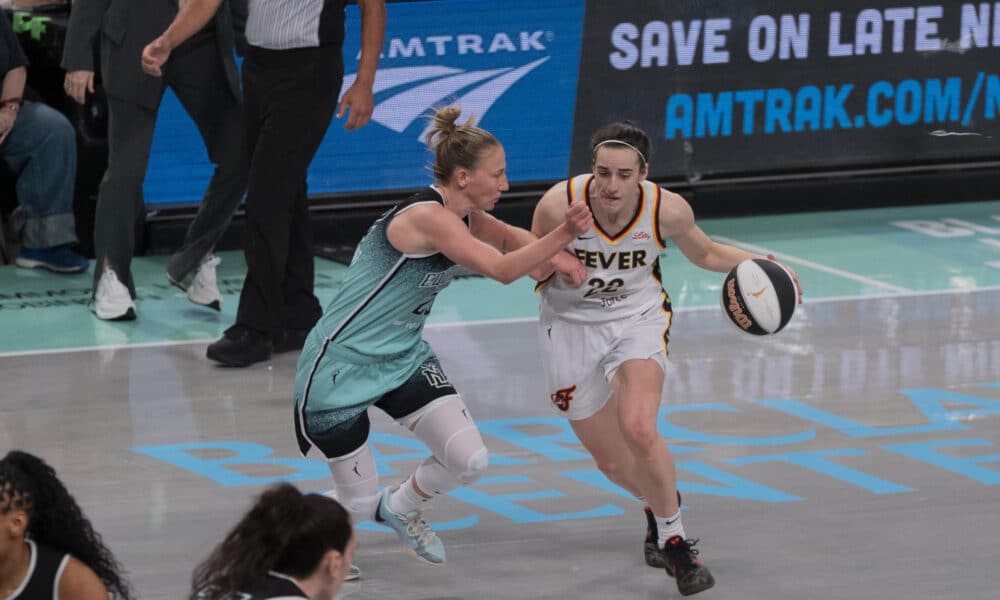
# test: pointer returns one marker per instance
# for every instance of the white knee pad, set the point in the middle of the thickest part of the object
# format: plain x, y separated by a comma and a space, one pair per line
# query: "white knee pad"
447, 428
476, 466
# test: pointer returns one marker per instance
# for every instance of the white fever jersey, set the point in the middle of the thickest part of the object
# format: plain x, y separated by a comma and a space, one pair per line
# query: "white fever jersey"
623, 270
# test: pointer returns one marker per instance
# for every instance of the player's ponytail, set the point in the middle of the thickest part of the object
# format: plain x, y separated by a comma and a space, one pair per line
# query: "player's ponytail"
456, 146
55, 519
285, 531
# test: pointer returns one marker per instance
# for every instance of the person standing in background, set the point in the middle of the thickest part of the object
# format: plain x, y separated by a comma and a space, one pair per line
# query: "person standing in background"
203, 75
38, 145
292, 76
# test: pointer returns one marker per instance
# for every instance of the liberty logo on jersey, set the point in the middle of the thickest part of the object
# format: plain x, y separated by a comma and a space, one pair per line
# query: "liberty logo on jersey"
438, 278
562, 397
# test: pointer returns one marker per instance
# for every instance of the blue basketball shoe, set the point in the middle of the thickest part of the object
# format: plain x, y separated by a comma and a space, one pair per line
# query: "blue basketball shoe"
412, 530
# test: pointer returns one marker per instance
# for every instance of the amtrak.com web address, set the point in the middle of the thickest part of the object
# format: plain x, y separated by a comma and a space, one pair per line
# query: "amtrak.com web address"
945, 102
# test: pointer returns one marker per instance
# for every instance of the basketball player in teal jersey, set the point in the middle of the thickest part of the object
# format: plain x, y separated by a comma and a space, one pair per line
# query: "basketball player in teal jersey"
367, 348
604, 334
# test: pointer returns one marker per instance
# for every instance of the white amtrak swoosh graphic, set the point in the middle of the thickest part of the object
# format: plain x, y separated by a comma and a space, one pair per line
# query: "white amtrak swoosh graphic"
400, 110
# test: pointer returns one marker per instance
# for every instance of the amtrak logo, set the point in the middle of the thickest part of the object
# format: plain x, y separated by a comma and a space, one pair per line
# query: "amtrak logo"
466, 43
423, 87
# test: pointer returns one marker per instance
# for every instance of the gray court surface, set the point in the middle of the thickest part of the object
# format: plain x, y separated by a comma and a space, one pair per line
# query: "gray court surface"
854, 455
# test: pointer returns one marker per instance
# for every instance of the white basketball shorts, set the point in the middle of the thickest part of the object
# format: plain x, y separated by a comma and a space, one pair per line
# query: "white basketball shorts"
580, 359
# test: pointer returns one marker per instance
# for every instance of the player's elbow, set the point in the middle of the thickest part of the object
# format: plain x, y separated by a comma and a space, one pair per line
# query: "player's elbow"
541, 273
498, 272
507, 278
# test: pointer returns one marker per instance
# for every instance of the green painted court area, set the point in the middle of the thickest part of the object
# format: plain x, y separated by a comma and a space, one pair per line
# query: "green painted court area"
859, 253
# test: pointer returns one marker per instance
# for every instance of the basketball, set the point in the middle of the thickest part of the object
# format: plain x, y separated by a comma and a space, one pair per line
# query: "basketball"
759, 296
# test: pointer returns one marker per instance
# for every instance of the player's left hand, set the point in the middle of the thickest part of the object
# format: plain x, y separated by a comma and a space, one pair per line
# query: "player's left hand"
795, 276
569, 268
360, 102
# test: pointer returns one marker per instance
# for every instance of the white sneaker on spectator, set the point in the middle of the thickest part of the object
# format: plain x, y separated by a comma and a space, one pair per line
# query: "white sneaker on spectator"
204, 287
112, 301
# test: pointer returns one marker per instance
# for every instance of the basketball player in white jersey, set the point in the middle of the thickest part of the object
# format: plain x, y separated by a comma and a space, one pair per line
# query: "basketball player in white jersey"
604, 329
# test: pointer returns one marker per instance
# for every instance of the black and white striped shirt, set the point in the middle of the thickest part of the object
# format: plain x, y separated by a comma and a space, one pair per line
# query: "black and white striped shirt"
287, 24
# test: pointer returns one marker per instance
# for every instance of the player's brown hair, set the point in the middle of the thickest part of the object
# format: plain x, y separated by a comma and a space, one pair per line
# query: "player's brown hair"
456, 146
613, 134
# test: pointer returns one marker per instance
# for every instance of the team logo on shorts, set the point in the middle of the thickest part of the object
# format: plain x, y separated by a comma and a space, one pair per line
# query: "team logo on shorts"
562, 398
434, 376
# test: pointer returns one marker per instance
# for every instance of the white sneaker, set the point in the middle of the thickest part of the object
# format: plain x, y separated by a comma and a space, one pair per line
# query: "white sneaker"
204, 288
353, 573
112, 301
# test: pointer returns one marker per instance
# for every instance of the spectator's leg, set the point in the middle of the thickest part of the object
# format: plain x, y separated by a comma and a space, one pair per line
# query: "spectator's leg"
41, 149
197, 76
119, 200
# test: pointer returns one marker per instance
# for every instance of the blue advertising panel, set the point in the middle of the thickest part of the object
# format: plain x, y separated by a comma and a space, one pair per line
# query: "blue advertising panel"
512, 65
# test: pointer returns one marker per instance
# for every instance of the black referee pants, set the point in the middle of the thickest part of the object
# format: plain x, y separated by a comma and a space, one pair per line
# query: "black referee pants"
290, 97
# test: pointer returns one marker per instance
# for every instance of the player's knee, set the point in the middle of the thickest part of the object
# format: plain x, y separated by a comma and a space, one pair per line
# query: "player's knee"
475, 467
615, 470
641, 436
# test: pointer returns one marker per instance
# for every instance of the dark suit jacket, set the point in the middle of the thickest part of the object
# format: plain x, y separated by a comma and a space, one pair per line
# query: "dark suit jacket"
120, 29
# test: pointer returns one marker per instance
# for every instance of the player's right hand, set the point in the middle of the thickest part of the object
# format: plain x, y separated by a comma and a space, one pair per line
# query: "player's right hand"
795, 276
578, 219
154, 55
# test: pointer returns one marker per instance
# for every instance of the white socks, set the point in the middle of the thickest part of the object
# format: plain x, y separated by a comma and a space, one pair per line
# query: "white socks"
668, 527
406, 499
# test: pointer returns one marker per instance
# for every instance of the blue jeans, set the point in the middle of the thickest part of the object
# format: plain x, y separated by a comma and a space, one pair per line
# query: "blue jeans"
41, 151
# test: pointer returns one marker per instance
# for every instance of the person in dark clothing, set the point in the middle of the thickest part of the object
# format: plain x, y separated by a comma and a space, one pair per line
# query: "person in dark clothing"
48, 548
38, 145
292, 75
288, 545
203, 75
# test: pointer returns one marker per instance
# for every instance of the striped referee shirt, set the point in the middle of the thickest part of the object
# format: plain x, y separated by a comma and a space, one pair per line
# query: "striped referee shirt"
286, 24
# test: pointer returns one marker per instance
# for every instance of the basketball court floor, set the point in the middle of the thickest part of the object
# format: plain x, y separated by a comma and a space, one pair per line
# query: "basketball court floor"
853, 455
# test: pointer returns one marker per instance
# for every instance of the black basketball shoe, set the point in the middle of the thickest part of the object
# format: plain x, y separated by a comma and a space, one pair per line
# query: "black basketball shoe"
651, 545
683, 565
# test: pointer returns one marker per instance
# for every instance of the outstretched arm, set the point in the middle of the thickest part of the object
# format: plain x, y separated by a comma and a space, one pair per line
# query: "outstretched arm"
676, 221
433, 228
506, 238
549, 213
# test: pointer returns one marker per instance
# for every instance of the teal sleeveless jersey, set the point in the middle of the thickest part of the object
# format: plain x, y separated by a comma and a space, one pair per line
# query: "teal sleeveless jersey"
383, 302
369, 340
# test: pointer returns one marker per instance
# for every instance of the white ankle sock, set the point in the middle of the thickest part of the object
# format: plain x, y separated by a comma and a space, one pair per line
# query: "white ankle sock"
668, 527
406, 499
